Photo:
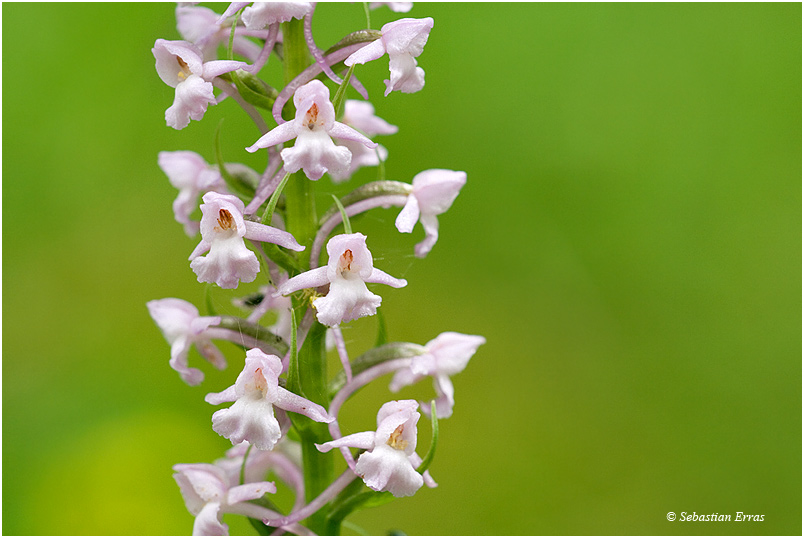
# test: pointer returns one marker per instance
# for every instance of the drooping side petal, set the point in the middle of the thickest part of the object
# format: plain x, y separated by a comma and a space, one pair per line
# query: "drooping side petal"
309, 279
372, 51
364, 440
340, 130
216, 68
381, 277
227, 395
269, 234
295, 403
249, 492
201, 248
277, 135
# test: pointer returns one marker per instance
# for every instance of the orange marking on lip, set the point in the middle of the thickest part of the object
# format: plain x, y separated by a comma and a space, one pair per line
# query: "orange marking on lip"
225, 220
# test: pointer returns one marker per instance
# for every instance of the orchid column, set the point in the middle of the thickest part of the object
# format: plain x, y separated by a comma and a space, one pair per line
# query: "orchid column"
283, 410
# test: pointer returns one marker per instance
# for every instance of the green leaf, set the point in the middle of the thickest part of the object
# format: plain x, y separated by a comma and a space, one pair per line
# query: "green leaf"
340, 94
243, 465
269, 210
347, 226
293, 367
230, 50
382, 330
208, 298
288, 262
254, 90
428, 459
368, 14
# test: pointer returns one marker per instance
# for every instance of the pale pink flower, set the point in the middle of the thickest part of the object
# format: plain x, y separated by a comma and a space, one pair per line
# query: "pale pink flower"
396, 7
390, 461
208, 494
261, 14
313, 127
190, 173
360, 116
199, 25
403, 40
447, 355
180, 65
255, 394
223, 229
350, 266
433, 193
183, 327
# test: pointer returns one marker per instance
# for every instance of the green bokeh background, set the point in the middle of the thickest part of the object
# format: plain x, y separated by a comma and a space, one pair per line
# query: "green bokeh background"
628, 242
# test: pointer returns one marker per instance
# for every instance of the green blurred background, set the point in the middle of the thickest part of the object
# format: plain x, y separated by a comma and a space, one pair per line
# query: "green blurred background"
628, 242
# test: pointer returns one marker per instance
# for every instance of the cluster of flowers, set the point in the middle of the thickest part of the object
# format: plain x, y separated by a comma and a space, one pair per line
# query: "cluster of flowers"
258, 423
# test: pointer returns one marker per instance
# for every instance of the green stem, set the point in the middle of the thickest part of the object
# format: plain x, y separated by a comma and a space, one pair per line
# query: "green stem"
300, 200
302, 222
318, 466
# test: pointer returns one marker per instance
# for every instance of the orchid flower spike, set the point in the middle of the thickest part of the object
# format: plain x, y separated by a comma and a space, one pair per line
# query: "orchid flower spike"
199, 25
390, 461
314, 151
182, 327
180, 65
433, 193
208, 495
190, 173
360, 116
223, 229
350, 267
255, 394
403, 40
446, 355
